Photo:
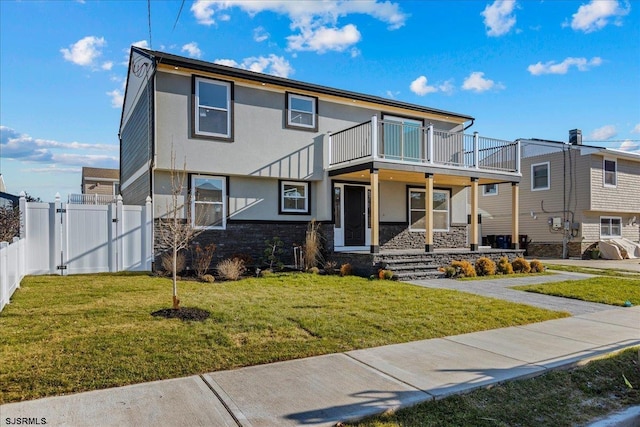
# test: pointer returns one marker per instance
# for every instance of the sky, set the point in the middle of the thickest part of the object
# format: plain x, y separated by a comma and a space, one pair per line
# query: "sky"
522, 69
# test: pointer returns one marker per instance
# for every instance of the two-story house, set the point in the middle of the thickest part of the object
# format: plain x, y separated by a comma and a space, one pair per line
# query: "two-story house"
265, 155
571, 197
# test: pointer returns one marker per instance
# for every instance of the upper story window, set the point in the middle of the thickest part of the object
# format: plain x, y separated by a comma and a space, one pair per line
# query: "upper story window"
302, 111
610, 169
540, 179
294, 197
490, 189
610, 226
213, 108
208, 201
417, 210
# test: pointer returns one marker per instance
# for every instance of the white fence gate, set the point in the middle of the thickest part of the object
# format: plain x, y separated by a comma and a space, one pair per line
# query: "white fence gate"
65, 238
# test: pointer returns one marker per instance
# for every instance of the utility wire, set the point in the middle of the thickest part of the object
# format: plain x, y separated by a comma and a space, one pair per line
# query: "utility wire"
178, 17
149, 19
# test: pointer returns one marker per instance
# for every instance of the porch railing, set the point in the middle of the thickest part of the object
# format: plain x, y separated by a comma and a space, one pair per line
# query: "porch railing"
412, 143
91, 199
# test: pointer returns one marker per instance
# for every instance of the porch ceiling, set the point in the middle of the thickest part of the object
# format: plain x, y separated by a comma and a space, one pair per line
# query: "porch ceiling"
414, 178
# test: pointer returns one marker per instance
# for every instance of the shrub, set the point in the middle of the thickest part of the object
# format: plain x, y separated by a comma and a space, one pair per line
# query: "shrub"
330, 267
385, 274
346, 270
463, 269
266, 273
231, 269
167, 262
485, 266
536, 266
521, 265
208, 278
313, 270
246, 258
504, 266
312, 245
272, 253
201, 258
448, 271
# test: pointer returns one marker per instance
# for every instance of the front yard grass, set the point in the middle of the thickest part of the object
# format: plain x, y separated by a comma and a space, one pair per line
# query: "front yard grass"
605, 290
76, 333
558, 398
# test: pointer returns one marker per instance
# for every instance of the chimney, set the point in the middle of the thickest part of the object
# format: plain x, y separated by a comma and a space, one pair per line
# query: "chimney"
575, 137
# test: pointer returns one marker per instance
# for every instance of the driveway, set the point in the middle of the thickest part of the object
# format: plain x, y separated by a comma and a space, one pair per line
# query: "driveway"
624, 264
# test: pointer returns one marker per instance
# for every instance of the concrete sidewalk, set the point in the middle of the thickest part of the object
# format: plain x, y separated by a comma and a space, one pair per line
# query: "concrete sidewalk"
321, 391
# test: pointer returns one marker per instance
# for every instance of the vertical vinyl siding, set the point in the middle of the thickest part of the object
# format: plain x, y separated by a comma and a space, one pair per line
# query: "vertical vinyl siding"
136, 151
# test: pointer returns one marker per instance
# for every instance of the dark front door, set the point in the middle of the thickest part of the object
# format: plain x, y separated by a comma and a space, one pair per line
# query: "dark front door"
354, 210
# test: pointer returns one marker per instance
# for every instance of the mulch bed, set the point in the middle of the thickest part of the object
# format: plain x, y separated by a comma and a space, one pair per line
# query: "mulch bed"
183, 313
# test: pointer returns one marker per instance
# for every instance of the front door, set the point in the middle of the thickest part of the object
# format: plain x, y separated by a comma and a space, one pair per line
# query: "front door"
354, 216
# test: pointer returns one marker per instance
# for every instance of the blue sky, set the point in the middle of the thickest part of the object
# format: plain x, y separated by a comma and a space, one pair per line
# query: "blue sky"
523, 69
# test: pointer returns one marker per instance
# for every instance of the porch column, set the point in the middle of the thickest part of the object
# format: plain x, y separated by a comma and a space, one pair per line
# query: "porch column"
428, 212
473, 238
375, 220
515, 212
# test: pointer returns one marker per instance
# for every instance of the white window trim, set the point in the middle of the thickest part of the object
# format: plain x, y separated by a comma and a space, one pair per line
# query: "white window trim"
223, 203
197, 130
493, 193
421, 190
306, 197
291, 111
610, 236
604, 172
533, 181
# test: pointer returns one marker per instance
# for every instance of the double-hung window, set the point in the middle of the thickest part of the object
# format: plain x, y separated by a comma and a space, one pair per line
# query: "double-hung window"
302, 111
540, 179
294, 197
208, 201
212, 108
610, 169
417, 210
610, 227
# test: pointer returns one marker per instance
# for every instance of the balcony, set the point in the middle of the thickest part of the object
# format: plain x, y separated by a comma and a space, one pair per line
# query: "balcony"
91, 199
409, 143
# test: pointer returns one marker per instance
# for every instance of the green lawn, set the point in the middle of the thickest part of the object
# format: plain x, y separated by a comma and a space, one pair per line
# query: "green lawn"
606, 290
559, 398
76, 333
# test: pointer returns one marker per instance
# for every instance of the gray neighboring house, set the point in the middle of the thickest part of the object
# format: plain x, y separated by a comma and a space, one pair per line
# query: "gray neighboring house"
265, 155
571, 197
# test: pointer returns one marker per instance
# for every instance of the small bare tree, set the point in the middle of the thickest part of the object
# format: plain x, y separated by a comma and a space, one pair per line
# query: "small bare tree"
175, 233
9, 223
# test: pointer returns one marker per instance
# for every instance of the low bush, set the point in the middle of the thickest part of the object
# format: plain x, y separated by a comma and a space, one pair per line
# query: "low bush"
448, 271
346, 270
201, 258
463, 268
167, 262
313, 270
330, 267
520, 265
504, 266
385, 274
231, 269
485, 266
536, 266
208, 278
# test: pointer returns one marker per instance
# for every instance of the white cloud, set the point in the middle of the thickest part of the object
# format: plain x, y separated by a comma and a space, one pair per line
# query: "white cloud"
260, 34
630, 146
85, 51
551, 67
314, 23
499, 18
272, 64
420, 87
603, 133
192, 49
636, 129
117, 98
477, 83
596, 15
142, 43
107, 65
324, 39
392, 94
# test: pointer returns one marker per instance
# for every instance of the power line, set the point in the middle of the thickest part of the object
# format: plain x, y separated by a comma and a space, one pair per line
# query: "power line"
178, 16
149, 19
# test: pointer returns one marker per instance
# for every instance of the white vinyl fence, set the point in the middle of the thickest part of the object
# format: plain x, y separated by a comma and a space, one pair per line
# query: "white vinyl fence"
64, 238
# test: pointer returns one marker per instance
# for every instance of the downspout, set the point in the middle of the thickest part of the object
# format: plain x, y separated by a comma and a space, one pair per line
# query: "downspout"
470, 124
565, 240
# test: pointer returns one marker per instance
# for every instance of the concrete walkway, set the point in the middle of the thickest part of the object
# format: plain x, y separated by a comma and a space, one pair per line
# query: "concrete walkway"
324, 390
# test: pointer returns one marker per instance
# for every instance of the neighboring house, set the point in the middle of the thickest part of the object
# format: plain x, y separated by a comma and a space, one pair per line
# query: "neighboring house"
571, 197
7, 200
99, 186
264, 155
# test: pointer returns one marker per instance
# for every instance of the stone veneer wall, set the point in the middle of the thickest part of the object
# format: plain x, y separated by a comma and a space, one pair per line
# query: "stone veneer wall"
248, 238
554, 249
398, 236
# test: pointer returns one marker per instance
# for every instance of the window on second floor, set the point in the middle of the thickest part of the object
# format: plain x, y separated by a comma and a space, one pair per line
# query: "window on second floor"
540, 179
610, 227
610, 169
302, 111
490, 189
213, 108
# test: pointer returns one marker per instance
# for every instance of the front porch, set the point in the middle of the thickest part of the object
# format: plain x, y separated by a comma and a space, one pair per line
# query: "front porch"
403, 186
412, 264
